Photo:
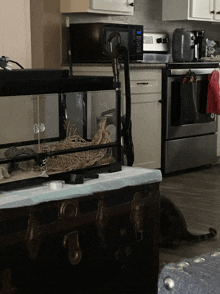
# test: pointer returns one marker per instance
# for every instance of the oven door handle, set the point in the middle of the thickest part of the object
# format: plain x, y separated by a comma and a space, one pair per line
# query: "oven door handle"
197, 71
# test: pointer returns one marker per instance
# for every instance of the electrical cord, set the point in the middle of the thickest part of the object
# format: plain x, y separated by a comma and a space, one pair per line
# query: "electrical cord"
4, 63
16, 63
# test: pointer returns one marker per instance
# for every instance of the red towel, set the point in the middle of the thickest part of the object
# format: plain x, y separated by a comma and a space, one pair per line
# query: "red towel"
213, 100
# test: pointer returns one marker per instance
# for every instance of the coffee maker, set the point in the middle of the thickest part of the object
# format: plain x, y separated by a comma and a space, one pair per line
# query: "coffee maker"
199, 36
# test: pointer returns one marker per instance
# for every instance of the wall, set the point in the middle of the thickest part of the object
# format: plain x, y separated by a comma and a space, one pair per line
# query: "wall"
15, 43
149, 14
15, 37
45, 33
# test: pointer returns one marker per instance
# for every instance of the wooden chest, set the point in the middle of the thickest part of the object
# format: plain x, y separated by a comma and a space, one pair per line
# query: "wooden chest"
103, 242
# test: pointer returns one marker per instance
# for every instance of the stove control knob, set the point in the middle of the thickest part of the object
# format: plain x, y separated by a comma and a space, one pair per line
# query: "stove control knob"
165, 40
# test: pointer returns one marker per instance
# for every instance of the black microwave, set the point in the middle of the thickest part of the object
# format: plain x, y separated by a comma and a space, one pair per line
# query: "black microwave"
89, 41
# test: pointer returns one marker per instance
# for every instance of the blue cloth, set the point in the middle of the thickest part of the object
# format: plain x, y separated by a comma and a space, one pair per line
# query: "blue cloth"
200, 275
128, 176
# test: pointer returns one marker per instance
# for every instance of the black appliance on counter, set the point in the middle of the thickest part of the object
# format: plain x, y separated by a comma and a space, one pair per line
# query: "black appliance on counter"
187, 45
49, 126
89, 41
199, 36
189, 136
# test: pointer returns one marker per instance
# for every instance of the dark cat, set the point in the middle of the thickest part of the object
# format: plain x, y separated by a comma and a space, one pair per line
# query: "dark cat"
173, 228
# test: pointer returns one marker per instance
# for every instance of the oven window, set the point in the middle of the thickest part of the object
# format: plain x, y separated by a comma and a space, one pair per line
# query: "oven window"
189, 101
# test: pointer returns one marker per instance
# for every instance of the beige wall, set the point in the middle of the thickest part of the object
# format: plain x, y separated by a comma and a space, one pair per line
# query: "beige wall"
45, 33
15, 35
30, 32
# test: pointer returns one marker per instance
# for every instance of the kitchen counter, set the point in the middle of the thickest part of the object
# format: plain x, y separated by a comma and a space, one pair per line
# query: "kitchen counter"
131, 65
147, 65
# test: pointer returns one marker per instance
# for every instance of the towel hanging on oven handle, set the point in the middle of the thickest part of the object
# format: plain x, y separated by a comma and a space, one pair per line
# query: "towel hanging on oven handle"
188, 95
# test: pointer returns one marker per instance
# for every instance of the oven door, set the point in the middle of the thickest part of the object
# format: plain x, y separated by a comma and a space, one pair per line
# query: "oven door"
185, 109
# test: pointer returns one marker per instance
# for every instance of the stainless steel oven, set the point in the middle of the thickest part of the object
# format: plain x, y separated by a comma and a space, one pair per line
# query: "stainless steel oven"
188, 133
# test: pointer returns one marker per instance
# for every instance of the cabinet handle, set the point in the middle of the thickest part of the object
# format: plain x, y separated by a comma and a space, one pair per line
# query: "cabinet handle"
142, 83
160, 101
212, 12
218, 12
131, 4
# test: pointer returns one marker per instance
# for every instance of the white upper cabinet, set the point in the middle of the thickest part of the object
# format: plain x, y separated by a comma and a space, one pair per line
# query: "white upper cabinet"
201, 10
120, 7
217, 10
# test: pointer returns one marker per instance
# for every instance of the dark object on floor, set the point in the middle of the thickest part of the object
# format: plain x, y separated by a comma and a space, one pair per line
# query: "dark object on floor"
197, 275
173, 227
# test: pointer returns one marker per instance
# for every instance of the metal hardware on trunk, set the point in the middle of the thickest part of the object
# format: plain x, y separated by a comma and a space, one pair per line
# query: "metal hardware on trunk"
33, 239
123, 232
69, 208
71, 241
102, 218
6, 282
140, 235
137, 215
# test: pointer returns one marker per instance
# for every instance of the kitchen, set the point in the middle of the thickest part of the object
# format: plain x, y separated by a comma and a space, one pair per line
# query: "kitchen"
148, 14
46, 36
42, 48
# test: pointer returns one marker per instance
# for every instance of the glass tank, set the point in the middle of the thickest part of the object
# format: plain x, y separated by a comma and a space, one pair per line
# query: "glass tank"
54, 126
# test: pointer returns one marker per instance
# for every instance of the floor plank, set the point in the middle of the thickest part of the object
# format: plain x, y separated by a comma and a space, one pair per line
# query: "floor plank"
197, 195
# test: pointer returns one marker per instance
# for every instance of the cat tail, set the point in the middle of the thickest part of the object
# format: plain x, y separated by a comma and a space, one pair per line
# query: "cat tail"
212, 233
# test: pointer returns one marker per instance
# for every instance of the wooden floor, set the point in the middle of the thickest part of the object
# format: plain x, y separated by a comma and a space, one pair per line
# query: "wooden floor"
197, 194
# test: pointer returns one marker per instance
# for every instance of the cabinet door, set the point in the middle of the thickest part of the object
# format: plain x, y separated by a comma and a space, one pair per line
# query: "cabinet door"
217, 10
202, 9
146, 130
113, 5
145, 116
